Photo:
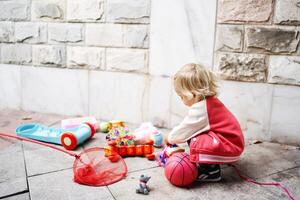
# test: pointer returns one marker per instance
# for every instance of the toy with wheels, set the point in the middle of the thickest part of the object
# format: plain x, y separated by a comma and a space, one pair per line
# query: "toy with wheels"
68, 138
75, 122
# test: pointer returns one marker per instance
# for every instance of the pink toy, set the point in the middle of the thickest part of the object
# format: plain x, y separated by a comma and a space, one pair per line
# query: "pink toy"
75, 122
148, 132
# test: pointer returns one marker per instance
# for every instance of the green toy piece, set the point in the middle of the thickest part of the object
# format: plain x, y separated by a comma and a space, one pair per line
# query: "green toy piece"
104, 127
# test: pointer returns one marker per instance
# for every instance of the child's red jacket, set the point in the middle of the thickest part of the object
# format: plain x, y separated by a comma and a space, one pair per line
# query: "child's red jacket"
214, 134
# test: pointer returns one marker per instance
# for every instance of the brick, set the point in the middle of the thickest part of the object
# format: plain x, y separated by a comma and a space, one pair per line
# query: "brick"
229, 38
271, 40
48, 10
136, 36
126, 59
92, 10
284, 70
65, 33
54, 182
16, 54
85, 57
117, 35
6, 32
130, 11
242, 67
49, 55
28, 32
244, 11
16, 10
287, 12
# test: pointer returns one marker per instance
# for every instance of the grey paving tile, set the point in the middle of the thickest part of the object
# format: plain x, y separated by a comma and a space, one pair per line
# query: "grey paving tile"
6, 142
10, 119
139, 163
24, 196
97, 141
260, 160
231, 187
12, 170
289, 178
59, 185
40, 160
160, 188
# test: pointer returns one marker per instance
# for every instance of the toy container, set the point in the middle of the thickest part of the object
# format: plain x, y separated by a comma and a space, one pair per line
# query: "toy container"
122, 151
131, 150
157, 139
75, 122
147, 131
139, 150
148, 149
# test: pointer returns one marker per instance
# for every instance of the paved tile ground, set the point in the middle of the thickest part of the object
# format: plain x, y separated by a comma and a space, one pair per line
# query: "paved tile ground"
29, 171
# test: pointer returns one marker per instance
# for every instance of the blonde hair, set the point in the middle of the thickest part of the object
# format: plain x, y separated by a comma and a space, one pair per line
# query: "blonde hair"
195, 80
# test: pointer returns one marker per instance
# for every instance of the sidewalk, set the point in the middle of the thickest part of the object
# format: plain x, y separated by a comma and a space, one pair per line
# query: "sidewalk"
29, 171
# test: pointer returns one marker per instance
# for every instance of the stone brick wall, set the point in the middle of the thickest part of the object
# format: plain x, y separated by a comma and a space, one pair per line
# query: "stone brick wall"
258, 41
107, 35
90, 57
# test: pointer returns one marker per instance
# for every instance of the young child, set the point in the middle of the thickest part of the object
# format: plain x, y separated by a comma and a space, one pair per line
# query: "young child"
212, 132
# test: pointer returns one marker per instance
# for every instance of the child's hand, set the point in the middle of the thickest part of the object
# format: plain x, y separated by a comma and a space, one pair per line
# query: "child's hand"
166, 140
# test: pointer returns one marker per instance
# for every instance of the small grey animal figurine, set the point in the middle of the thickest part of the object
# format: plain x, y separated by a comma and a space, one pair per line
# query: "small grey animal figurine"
143, 189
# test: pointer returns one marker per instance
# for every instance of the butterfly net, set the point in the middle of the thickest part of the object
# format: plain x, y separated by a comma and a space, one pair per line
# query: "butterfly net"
92, 167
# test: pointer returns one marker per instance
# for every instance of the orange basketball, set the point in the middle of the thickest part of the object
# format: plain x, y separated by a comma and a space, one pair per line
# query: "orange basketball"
180, 171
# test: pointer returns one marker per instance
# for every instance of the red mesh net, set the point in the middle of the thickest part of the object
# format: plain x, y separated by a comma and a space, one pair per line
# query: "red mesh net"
93, 168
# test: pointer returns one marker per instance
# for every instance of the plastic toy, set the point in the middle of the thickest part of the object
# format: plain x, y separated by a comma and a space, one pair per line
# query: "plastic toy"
157, 139
75, 122
103, 126
146, 132
167, 152
68, 138
145, 150
117, 123
143, 189
180, 171
120, 136
120, 140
